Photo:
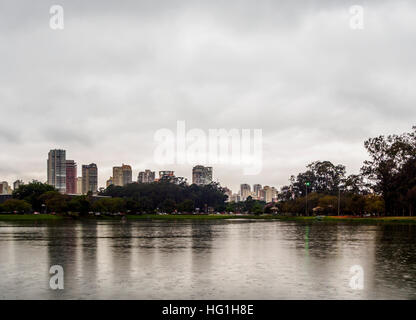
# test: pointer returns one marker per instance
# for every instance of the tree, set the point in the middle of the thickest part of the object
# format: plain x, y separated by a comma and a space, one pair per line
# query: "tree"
354, 183
31, 192
257, 208
168, 206
80, 204
391, 168
15, 205
374, 204
320, 176
151, 196
54, 201
249, 203
112, 205
328, 203
186, 206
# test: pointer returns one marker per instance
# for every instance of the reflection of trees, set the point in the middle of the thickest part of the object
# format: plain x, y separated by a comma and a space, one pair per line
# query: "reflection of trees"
320, 240
396, 258
201, 234
396, 246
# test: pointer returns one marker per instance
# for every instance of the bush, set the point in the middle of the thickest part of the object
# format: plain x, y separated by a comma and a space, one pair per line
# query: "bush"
15, 205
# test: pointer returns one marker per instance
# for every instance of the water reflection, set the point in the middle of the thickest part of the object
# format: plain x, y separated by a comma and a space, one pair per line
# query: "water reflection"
207, 260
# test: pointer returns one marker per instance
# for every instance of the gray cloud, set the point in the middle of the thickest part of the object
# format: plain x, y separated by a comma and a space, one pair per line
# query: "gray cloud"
121, 70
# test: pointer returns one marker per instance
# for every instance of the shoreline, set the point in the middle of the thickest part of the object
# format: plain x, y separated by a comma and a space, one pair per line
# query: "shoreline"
366, 220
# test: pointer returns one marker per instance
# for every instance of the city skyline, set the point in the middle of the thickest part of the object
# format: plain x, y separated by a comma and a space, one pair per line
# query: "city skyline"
213, 67
64, 176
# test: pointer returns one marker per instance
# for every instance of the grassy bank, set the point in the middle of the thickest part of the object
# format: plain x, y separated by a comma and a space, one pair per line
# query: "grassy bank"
274, 217
351, 219
29, 217
197, 217
333, 219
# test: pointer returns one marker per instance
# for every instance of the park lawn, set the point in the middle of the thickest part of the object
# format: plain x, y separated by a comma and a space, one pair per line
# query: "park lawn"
29, 217
197, 216
48, 217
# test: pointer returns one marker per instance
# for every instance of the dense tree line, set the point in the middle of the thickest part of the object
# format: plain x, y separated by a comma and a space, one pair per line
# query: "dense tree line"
248, 206
164, 196
391, 171
169, 197
386, 184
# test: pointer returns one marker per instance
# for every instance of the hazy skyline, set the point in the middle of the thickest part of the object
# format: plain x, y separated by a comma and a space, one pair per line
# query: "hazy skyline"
120, 71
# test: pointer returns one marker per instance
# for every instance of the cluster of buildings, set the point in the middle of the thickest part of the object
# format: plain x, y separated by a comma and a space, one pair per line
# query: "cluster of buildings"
123, 175
5, 189
266, 193
63, 175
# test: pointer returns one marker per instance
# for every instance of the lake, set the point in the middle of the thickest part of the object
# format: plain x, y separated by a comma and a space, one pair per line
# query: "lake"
216, 259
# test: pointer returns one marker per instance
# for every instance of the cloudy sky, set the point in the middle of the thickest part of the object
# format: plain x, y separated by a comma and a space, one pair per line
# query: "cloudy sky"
121, 70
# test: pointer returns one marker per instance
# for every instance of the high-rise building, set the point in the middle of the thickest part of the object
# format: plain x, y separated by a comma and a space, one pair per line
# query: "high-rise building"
127, 174
17, 184
122, 175
262, 195
201, 175
169, 176
256, 189
235, 198
71, 177
89, 178
270, 194
146, 176
5, 188
57, 169
166, 173
245, 191
118, 176
79, 185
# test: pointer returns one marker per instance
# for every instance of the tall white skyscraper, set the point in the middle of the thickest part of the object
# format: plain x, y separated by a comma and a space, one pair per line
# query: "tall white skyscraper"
57, 169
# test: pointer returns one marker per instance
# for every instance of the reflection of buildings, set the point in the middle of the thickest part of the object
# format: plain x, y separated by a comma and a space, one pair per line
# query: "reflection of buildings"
57, 169
201, 175
89, 178
146, 176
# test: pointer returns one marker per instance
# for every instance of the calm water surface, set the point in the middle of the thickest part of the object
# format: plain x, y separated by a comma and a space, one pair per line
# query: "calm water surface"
206, 260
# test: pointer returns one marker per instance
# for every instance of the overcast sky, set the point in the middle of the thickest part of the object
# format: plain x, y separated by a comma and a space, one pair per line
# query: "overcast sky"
121, 70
